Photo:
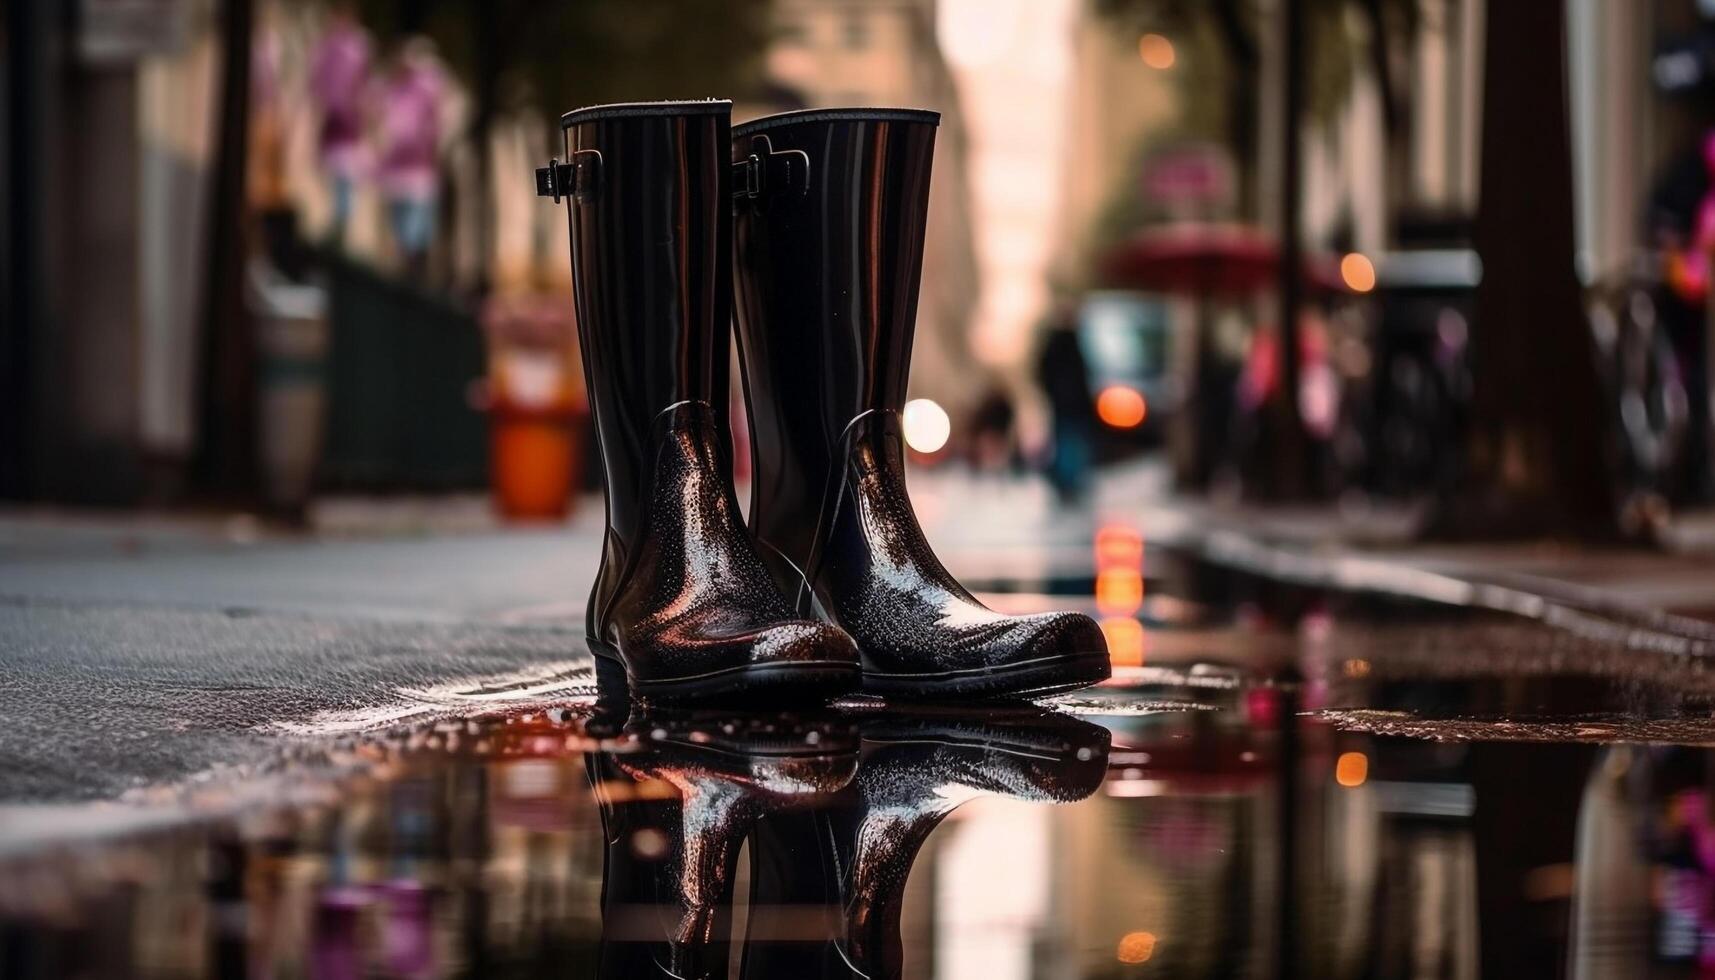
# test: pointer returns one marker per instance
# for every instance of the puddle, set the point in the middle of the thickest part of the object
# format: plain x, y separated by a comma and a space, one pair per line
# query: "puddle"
1677, 731
1278, 783
1131, 836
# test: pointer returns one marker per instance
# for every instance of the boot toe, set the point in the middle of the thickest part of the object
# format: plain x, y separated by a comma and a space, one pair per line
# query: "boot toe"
803, 642
797, 661
1064, 634
1015, 656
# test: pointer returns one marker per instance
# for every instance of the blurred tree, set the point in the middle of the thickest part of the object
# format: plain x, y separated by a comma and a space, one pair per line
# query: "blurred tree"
1223, 94
1536, 462
1236, 75
559, 55
550, 55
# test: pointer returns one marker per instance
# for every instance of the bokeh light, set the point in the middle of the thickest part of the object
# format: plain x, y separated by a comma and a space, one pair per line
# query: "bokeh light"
1119, 546
1136, 947
1121, 407
1351, 769
927, 426
1358, 272
1156, 51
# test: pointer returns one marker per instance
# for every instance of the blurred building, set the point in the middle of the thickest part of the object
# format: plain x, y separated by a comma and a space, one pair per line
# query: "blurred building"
887, 53
89, 206
1114, 102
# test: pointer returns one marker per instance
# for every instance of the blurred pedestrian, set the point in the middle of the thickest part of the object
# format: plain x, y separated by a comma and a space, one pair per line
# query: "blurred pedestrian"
994, 441
339, 78
410, 105
1065, 380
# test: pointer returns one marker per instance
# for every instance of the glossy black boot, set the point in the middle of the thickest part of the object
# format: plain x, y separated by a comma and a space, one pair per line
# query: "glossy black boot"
829, 234
677, 798
682, 598
854, 852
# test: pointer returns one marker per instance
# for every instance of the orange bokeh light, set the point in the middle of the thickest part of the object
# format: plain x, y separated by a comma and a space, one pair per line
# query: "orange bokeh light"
1351, 769
1119, 546
1121, 407
1119, 591
1125, 641
1136, 947
1156, 51
1358, 272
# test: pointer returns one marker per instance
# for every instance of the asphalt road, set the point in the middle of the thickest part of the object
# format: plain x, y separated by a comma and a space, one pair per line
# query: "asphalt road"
129, 660
138, 652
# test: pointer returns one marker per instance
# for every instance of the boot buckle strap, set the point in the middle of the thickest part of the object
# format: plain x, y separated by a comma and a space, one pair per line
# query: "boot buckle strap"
767, 172
574, 179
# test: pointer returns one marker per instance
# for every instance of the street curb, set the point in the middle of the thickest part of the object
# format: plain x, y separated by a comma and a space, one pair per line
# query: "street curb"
1581, 610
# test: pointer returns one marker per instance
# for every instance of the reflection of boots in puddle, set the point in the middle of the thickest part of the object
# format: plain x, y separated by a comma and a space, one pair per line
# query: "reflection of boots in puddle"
853, 854
677, 801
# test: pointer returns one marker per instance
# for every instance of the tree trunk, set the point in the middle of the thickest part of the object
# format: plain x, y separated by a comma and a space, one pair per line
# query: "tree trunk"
29, 84
1536, 461
1395, 128
1244, 83
1282, 454
227, 377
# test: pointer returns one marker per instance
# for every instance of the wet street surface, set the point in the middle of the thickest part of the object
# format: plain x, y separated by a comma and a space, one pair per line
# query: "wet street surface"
1279, 782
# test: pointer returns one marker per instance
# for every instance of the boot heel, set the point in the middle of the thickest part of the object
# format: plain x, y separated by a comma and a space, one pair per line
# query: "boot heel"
609, 668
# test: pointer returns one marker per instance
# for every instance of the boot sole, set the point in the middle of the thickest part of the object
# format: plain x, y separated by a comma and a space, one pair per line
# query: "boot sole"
791, 683
1028, 679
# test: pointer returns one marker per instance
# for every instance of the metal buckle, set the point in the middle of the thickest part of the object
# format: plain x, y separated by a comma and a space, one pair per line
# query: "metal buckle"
767, 172
575, 179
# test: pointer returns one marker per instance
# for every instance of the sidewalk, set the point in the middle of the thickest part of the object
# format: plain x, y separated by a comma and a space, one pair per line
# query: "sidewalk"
1660, 598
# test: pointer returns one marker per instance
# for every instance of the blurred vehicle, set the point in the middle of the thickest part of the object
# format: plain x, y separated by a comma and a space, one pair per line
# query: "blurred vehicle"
1126, 342
1420, 393
1645, 381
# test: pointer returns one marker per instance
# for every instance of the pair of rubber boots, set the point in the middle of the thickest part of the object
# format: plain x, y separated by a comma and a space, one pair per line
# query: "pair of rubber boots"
832, 586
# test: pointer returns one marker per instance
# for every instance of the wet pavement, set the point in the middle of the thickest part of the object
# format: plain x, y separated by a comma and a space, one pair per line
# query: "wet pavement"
1281, 781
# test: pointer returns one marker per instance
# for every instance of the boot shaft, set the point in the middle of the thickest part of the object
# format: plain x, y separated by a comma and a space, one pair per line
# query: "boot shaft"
682, 601
650, 225
828, 235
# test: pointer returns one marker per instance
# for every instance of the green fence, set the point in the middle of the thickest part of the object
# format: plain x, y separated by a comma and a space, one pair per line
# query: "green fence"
401, 364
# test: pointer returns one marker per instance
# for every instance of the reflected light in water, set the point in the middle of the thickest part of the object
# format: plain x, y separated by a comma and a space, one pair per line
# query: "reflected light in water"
1352, 769
649, 844
1125, 641
1121, 407
1136, 947
628, 791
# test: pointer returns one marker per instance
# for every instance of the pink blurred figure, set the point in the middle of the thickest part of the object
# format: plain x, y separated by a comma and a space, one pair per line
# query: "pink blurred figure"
339, 76
409, 109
